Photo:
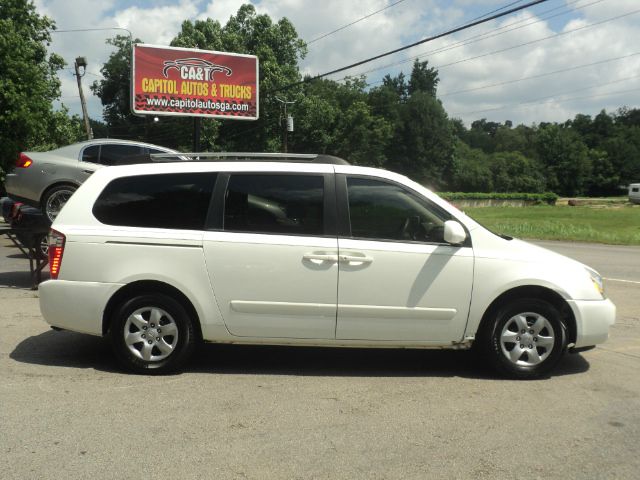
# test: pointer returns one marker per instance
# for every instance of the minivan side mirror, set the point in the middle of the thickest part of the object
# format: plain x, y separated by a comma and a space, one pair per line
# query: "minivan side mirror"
454, 233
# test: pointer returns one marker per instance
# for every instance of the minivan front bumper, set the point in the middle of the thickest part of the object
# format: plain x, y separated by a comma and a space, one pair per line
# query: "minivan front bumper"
594, 318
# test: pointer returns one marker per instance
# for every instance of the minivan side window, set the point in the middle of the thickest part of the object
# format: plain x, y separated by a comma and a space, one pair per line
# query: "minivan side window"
275, 203
177, 201
382, 210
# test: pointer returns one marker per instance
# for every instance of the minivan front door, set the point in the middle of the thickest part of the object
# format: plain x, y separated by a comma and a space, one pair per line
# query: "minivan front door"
398, 279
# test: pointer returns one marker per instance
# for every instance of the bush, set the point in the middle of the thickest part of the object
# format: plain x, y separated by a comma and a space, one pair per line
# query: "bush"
538, 198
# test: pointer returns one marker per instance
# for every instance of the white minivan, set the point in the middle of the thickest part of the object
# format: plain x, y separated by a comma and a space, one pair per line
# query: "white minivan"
307, 250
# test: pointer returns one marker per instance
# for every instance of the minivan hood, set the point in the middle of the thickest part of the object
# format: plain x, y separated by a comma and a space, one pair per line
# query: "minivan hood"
489, 245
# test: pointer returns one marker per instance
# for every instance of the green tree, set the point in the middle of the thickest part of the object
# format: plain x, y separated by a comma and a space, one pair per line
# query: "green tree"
422, 145
28, 80
605, 178
471, 171
623, 151
59, 129
513, 172
423, 79
278, 48
565, 158
335, 118
114, 89
481, 135
519, 139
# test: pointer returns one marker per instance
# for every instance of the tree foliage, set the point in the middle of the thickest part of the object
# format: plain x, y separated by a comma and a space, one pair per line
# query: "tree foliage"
400, 125
28, 81
582, 156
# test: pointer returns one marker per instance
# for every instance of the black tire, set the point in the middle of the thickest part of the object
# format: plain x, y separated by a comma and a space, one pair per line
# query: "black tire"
161, 335
527, 355
55, 198
41, 246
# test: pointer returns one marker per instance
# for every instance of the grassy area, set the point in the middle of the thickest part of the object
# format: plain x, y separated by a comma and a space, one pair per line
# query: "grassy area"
620, 226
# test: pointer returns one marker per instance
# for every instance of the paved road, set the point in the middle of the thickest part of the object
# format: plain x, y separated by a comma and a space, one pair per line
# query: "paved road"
66, 411
612, 261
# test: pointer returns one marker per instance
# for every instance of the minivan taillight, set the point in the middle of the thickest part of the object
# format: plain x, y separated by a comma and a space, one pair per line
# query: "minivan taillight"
23, 161
56, 249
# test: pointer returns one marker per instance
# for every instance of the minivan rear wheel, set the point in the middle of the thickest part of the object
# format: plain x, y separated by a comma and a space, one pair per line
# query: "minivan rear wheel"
152, 334
526, 339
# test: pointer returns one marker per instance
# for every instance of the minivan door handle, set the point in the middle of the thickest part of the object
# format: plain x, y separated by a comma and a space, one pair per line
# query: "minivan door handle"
322, 257
88, 171
355, 259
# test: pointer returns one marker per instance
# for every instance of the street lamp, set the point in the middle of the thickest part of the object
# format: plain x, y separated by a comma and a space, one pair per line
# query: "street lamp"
81, 62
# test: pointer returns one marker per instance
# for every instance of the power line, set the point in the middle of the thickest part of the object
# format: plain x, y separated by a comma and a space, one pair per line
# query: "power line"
69, 30
552, 99
434, 37
556, 35
485, 35
99, 75
354, 22
425, 40
496, 10
540, 75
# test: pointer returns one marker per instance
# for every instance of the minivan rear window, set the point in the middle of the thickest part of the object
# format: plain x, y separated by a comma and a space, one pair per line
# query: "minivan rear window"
176, 201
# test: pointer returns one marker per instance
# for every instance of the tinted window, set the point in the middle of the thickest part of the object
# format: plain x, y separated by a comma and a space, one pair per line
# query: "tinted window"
385, 211
114, 154
284, 204
179, 200
91, 154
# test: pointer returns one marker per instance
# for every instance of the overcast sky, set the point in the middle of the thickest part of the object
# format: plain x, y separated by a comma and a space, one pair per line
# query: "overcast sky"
546, 63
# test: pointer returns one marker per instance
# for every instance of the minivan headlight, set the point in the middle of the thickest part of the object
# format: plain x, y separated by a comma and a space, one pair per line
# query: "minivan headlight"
596, 278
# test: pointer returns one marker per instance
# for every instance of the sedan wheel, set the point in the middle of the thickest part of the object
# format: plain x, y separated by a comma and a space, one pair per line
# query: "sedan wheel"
55, 199
152, 333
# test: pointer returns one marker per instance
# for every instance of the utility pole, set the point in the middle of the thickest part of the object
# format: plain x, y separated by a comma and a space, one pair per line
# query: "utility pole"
82, 62
288, 127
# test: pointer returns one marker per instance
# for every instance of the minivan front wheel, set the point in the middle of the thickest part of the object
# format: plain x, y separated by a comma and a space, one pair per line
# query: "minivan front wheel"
152, 333
527, 338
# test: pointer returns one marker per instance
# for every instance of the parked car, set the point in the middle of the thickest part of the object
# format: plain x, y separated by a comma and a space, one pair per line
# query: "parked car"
161, 256
46, 180
634, 193
29, 226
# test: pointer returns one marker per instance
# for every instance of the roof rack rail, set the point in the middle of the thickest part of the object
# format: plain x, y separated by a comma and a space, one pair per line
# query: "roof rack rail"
247, 157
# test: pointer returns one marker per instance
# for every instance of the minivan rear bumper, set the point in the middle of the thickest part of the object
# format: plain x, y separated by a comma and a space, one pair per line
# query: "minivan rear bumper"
75, 306
594, 318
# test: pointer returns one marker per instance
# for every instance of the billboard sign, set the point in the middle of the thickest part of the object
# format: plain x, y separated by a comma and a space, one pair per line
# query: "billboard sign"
190, 82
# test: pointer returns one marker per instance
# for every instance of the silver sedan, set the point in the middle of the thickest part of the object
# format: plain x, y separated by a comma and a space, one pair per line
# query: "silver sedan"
47, 179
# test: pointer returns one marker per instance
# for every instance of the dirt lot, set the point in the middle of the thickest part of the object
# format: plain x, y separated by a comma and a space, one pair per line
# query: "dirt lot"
66, 411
